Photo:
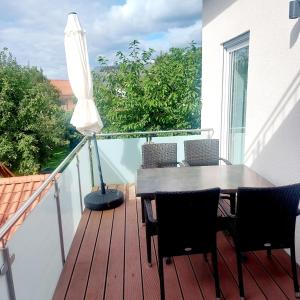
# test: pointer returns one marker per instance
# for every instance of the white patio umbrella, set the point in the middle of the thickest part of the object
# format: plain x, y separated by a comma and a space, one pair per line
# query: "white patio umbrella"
86, 117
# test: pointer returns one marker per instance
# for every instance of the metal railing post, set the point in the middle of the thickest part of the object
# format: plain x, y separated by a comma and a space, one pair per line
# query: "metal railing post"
5, 269
61, 236
79, 181
149, 139
91, 162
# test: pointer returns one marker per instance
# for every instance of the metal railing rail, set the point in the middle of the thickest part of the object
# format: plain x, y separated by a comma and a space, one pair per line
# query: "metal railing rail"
150, 133
18, 214
12, 221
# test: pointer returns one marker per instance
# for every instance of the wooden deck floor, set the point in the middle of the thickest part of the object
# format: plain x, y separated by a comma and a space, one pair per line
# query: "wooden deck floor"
107, 260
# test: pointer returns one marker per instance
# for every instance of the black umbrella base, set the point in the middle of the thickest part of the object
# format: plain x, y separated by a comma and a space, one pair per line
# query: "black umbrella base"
98, 201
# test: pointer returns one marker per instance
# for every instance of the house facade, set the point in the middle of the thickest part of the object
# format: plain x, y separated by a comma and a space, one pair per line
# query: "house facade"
66, 96
251, 86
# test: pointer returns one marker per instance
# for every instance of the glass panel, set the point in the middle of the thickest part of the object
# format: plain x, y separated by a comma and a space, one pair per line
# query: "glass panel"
36, 243
95, 164
238, 94
120, 158
85, 170
70, 202
36, 246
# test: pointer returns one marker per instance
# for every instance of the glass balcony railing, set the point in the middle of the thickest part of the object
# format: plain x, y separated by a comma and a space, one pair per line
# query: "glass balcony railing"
32, 258
121, 157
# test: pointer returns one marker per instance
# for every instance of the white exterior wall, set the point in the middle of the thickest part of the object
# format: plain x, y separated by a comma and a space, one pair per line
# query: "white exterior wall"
272, 145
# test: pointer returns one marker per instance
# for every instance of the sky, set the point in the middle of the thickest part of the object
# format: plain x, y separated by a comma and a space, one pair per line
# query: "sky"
33, 30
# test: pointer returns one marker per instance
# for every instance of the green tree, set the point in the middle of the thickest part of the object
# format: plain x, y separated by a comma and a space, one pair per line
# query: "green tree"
31, 120
142, 93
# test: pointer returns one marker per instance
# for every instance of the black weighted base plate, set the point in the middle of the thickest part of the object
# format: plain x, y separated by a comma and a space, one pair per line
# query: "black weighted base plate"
98, 201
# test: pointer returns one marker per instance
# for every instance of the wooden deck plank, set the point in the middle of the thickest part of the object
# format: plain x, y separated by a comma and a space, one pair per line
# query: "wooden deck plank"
278, 274
228, 284
228, 253
107, 260
285, 261
188, 282
80, 275
204, 276
172, 286
97, 279
149, 274
64, 279
115, 269
133, 281
263, 279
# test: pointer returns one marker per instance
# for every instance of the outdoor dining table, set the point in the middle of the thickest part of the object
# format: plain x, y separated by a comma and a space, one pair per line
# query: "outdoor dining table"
227, 177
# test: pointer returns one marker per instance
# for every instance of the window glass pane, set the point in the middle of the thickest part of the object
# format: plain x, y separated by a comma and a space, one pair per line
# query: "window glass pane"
238, 93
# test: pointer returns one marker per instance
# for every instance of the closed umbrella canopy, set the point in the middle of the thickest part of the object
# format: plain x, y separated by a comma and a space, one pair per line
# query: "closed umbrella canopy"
85, 117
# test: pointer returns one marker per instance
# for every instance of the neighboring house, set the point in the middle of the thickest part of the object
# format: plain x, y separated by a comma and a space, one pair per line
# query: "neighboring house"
66, 94
251, 86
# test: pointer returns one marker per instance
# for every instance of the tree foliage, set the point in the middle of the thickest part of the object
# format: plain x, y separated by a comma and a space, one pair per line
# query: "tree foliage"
146, 93
31, 120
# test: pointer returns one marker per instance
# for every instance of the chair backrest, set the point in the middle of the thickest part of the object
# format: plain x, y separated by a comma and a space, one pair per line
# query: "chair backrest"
159, 155
204, 152
266, 217
186, 222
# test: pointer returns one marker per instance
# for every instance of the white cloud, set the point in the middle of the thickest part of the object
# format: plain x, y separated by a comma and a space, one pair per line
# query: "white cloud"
33, 30
175, 37
138, 17
181, 36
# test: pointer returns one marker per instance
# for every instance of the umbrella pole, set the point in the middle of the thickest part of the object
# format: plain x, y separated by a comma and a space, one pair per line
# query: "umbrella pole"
102, 184
104, 198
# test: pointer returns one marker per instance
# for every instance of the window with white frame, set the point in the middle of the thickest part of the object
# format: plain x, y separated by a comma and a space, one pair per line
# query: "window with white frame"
235, 80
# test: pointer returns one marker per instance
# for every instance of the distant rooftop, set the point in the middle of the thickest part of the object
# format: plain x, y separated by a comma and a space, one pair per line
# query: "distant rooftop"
63, 86
66, 93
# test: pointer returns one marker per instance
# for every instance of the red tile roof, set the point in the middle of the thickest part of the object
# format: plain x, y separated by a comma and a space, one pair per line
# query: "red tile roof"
14, 191
63, 87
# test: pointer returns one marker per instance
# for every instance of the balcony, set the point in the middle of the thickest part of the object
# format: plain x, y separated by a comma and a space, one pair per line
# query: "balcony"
64, 251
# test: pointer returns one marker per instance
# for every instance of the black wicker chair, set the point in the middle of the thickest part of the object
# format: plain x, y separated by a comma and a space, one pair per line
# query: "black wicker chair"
158, 155
205, 152
265, 220
186, 224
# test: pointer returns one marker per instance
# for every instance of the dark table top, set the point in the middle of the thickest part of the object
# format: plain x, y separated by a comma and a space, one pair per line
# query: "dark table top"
227, 177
